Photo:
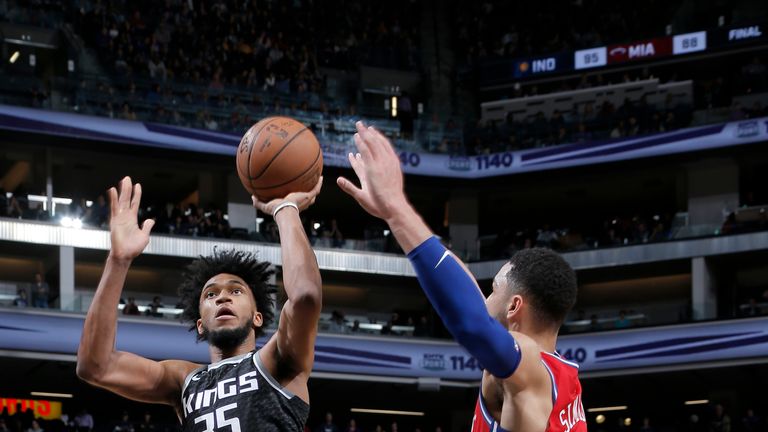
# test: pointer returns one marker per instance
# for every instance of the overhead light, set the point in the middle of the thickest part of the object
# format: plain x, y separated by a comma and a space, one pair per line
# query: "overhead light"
600, 419
394, 106
316, 225
608, 408
42, 198
14, 57
55, 395
697, 402
389, 412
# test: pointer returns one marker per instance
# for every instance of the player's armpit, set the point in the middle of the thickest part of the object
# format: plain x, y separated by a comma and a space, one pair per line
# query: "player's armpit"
141, 379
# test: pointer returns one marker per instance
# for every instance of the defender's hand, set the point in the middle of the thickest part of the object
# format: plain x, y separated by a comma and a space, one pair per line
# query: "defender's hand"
128, 239
377, 166
301, 199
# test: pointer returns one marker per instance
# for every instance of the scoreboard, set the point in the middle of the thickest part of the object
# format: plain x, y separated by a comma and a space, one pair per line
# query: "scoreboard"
649, 49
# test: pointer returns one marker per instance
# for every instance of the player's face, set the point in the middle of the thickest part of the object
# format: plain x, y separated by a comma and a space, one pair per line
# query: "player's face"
227, 303
497, 301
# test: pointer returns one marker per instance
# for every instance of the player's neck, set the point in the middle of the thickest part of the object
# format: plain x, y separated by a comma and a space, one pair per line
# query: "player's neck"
219, 354
546, 340
544, 337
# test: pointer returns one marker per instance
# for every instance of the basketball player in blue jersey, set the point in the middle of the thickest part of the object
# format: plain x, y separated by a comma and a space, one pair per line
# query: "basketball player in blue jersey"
227, 298
526, 385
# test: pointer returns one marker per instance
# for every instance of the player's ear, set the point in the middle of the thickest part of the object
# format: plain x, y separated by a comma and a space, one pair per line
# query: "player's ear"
258, 319
199, 325
514, 306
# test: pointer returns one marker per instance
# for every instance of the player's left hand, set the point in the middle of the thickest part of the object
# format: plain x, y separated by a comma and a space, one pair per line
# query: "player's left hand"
302, 199
377, 166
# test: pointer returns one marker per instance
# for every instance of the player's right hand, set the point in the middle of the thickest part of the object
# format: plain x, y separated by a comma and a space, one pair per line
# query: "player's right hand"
302, 199
378, 168
128, 239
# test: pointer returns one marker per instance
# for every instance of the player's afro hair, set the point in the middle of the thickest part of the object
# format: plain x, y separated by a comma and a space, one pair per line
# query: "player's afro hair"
255, 273
547, 280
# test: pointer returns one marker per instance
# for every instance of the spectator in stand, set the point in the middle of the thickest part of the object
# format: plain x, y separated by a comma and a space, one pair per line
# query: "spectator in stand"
131, 308
153, 308
421, 329
40, 292
622, 322
337, 238
84, 421
547, 237
35, 427
352, 426
752, 308
125, 424
594, 323
646, 427
721, 421
146, 425
338, 323
751, 422
582, 134
394, 320
99, 212
21, 299
14, 209
328, 425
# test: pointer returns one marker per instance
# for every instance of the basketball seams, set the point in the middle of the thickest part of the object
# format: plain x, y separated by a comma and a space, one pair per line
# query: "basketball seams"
266, 166
314, 162
250, 150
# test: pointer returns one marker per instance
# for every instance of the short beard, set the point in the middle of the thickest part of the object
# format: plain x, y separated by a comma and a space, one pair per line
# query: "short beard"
227, 339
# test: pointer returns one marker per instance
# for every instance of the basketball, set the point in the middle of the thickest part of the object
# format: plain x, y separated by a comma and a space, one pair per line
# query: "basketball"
277, 156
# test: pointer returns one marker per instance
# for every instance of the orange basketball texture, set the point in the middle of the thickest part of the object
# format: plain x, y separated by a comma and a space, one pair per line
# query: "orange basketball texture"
277, 156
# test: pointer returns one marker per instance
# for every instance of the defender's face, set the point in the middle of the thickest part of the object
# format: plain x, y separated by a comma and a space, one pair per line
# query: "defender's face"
227, 302
497, 301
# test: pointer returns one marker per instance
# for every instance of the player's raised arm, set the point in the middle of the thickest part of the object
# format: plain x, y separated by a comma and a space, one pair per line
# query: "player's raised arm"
294, 343
451, 289
98, 362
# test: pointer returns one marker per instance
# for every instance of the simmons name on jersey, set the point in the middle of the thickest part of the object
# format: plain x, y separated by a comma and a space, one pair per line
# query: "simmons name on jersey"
238, 394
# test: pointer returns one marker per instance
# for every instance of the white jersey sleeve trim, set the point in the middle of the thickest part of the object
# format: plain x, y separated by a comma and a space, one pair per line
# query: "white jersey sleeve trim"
188, 379
271, 380
554, 384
